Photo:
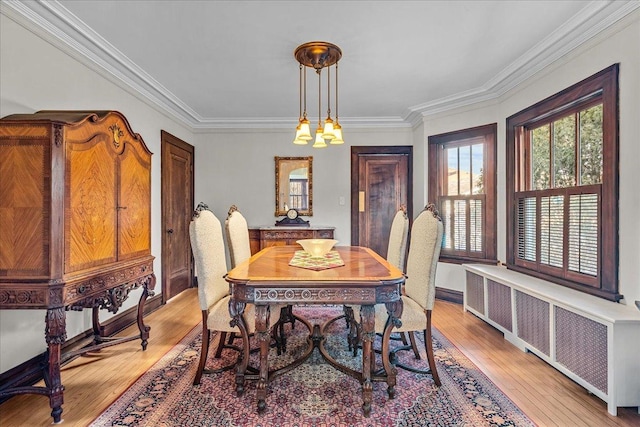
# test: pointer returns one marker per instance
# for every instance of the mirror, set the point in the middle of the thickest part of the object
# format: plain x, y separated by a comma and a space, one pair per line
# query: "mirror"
294, 187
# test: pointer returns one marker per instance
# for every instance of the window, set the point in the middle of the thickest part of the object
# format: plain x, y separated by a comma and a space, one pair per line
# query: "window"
298, 193
462, 182
562, 155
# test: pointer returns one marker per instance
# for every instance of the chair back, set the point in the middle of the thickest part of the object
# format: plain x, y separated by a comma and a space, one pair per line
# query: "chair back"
398, 237
424, 251
237, 236
207, 245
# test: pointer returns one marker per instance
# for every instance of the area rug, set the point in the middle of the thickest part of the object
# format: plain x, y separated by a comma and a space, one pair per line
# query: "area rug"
314, 394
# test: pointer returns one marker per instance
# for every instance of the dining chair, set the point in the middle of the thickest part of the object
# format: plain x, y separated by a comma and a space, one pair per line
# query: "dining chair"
237, 236
237, 231
419, 290
396, 255
207, 245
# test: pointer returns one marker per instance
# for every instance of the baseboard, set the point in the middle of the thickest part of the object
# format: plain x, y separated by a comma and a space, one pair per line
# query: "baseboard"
450, 295
30, 372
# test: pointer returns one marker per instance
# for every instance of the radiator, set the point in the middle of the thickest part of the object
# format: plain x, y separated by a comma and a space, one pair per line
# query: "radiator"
593, 341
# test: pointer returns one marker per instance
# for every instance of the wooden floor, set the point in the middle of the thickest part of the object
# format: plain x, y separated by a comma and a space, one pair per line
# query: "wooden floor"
544, 394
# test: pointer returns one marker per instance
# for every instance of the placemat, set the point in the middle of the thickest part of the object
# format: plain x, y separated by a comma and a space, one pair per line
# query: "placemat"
304, 260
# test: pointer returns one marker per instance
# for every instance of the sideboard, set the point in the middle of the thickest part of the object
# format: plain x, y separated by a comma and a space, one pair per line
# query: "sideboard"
75, 208
263, 237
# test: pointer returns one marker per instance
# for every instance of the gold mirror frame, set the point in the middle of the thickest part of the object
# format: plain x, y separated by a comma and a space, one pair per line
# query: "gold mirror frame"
284, 167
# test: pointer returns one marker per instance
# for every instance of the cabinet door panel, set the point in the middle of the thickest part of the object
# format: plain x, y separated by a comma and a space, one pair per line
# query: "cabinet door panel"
90, 220
134, 214
23, 248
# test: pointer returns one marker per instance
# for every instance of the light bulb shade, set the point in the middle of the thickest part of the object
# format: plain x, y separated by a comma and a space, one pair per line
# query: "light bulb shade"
299, 141
319, 142
305, 131
337, 131
327, 132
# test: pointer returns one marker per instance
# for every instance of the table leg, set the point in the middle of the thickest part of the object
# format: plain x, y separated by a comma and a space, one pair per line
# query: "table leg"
394, 310
264, 338
367, 320
55, 335
236, 311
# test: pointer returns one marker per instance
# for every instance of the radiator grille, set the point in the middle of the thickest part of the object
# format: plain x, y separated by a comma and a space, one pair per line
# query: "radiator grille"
499, 304
532, 321
581, 346
475, 292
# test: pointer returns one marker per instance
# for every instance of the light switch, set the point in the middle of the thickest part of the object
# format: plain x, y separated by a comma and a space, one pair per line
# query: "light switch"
341, 201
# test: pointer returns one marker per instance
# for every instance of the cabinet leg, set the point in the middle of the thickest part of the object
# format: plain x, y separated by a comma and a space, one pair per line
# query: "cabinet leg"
55, 335
148, 287
97, 327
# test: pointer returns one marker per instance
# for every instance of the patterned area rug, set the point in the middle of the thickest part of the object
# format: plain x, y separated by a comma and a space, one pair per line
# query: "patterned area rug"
313, 394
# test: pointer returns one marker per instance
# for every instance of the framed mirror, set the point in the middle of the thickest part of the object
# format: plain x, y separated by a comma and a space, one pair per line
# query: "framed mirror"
294, 185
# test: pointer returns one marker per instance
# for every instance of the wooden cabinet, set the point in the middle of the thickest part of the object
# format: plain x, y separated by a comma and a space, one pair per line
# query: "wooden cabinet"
75, 209
263, 237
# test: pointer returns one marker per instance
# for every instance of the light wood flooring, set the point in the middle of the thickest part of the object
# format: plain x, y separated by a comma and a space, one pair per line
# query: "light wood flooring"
544, 394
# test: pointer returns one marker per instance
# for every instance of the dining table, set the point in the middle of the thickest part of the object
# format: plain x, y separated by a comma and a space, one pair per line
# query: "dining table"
286, 275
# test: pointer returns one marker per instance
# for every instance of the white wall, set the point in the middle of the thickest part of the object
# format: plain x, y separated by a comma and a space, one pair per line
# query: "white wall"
238, 168
618, 44
36, 76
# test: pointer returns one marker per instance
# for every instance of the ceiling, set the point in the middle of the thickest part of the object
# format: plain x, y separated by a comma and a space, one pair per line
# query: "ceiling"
219, 64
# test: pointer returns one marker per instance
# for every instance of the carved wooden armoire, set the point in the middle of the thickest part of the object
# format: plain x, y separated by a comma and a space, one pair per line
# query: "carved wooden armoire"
75, 218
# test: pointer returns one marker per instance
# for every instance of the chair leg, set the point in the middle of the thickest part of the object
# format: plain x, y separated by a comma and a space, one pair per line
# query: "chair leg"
352, 335
204, 351
292, 318
414, 346
348, 315
286, 316
428, 343
232, 337
223, 337
403, 338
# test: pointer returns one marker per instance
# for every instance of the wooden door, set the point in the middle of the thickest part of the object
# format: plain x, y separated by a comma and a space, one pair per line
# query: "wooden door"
381, 181
177, 208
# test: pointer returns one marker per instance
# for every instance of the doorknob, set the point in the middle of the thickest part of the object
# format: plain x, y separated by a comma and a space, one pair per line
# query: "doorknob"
170, 231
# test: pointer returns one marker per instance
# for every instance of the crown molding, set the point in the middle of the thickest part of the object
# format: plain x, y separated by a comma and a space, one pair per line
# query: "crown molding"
290, 123
586, 24
54, 23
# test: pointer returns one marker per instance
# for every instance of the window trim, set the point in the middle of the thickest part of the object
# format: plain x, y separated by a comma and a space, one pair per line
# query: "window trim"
603, 85
489, 133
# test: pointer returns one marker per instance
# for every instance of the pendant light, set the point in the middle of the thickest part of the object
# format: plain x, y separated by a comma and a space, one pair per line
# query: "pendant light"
337, 129
318, 55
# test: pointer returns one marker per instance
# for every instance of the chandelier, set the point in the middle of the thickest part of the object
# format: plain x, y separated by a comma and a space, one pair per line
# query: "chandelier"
318, 55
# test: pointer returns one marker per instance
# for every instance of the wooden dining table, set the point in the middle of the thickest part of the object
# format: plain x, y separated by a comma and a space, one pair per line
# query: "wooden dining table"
365, 279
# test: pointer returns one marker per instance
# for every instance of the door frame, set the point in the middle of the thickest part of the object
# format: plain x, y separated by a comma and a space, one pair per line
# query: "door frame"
167, 139
356, 152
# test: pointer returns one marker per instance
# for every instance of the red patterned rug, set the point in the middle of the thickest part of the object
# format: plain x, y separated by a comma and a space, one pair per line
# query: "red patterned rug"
313, 394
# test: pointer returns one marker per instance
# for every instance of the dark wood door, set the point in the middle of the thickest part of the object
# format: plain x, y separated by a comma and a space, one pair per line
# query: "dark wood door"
177, 207
381, 181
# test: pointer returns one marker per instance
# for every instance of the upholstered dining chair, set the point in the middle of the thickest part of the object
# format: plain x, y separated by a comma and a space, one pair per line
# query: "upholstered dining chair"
396, 255
207, 245
420, 289
237, 236
237, 231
